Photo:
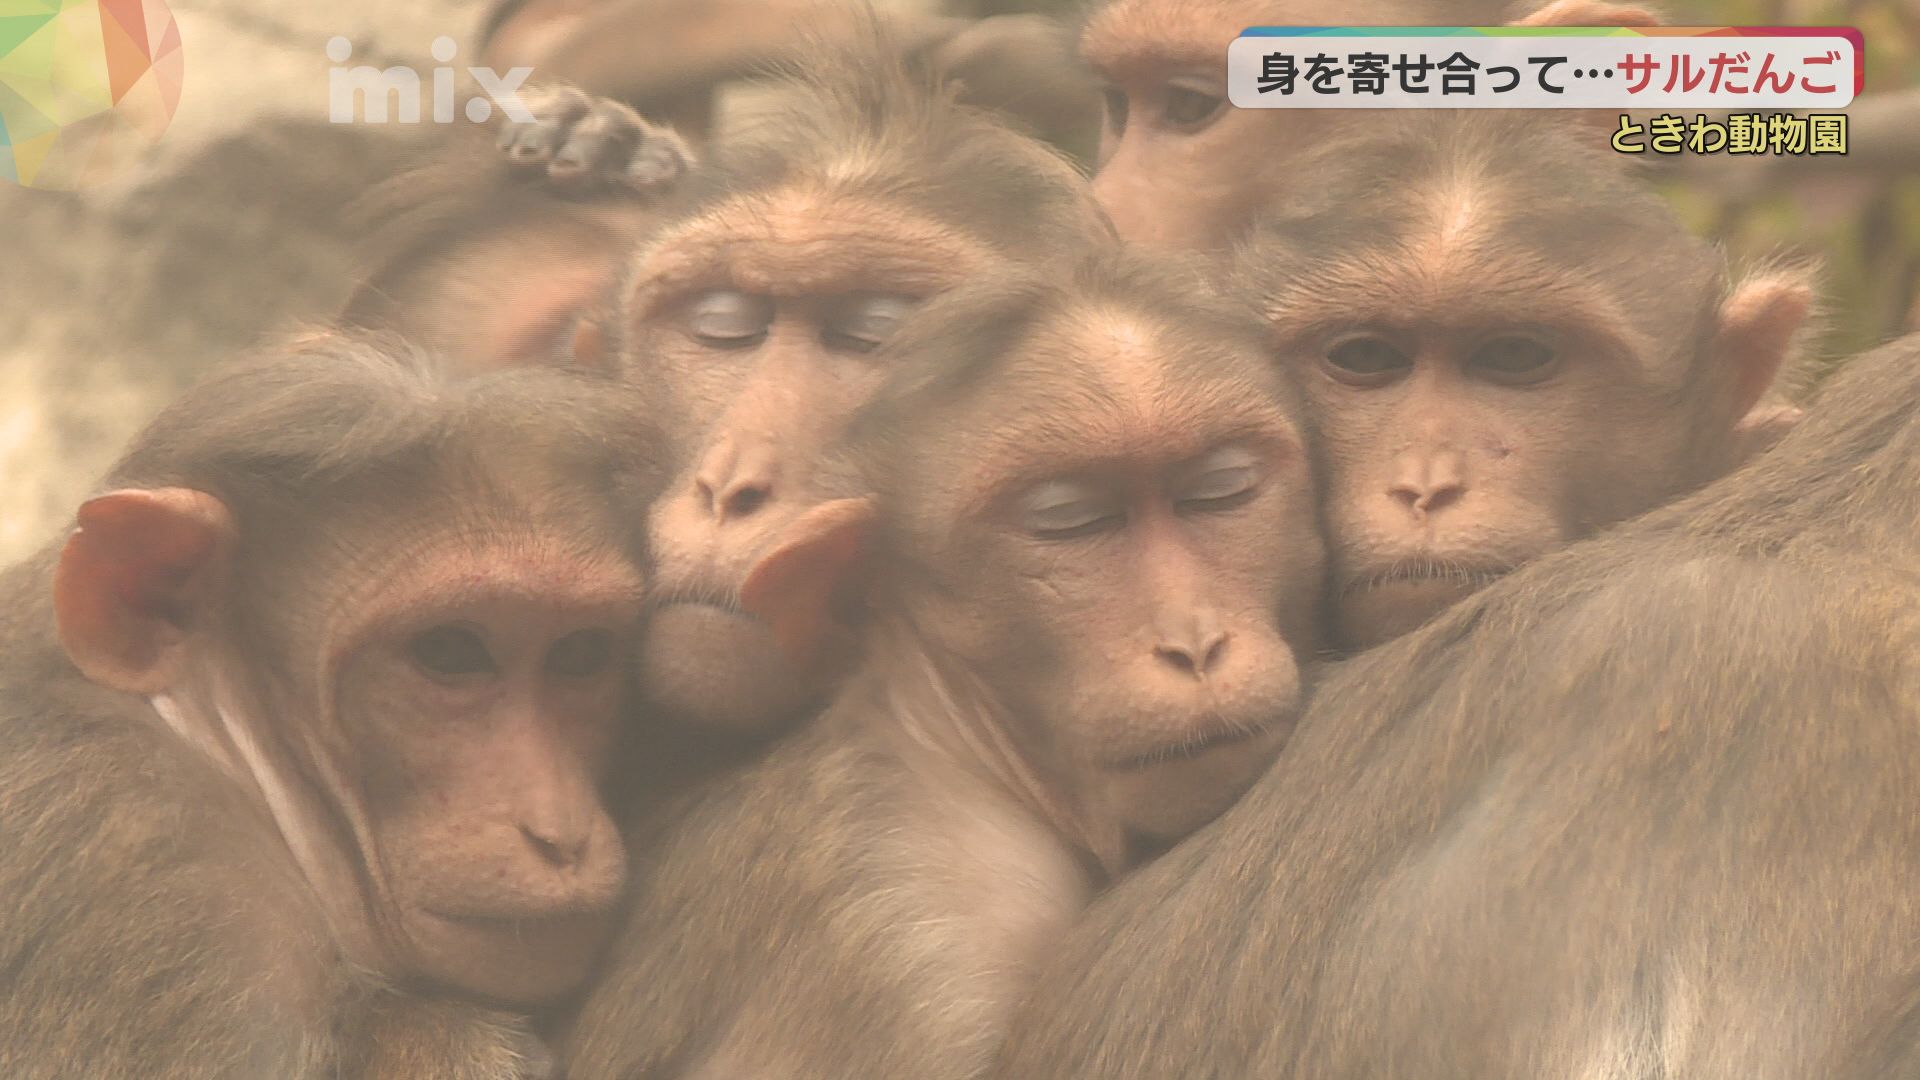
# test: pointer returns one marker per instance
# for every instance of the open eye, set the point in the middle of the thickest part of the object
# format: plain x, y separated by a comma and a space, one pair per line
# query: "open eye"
729, 319
1222, 480
1116, 110
1515, 358
1189, 106
1366, 360
866, 321
450, 652
1066, 509
581, 654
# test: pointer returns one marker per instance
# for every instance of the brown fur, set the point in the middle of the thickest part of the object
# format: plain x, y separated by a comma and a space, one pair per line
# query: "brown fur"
1439, 237
868, 186
1179, 166
870, 900
164, 914
670, 58
1644, 809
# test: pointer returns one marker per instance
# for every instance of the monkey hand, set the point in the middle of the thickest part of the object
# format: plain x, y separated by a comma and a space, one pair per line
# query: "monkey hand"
587, 144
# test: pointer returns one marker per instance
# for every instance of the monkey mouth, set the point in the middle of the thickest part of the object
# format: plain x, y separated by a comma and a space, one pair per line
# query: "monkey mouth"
1455, 573
1196, 745
703, 597
556, 919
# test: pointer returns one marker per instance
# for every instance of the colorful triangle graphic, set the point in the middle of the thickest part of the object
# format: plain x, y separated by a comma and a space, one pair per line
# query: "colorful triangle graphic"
126, 58
15, 29
130, 16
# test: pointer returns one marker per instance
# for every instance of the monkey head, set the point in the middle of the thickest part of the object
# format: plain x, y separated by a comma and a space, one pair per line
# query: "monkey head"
397, 613
1181, 167
1095, 507
1507, 345
758, 312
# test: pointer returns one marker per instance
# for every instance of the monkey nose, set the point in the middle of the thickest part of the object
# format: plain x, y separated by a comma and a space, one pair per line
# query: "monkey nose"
1422, 501
559, 848
1429, 485
734, 499
735, 480
1195, 656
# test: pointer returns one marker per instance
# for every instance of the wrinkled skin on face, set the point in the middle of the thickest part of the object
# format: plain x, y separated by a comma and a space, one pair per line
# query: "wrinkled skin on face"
1120, 541
1517, 347
766, 351
478, 701
1182, 168
759, 313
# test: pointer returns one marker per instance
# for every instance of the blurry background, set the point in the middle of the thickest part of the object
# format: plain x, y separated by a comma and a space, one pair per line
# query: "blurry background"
113, 298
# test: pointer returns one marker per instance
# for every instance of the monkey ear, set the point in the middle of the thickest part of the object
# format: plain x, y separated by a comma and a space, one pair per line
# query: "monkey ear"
1590, 13
1758, 327
134, 579
793, 589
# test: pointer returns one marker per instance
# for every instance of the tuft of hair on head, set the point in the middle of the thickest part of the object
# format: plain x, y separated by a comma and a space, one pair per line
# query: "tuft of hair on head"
958, 341
855, 116
331, 411
1546, 193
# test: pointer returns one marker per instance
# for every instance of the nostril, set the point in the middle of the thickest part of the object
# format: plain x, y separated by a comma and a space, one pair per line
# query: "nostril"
554, 852
1441, 498
1176, 658
1210, 657
744, 500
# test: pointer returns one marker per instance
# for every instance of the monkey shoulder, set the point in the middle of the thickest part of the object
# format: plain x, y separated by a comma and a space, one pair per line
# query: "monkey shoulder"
817, 914
131, 863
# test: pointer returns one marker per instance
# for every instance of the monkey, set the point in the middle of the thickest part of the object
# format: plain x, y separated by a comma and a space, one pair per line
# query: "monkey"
1179, 166
755, 310
756, 274
1085, 570
302, 727
671, 58
501, 249
1644, 808
1508, 342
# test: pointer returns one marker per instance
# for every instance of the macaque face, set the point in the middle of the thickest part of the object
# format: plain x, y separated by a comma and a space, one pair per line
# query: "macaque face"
479, 692
1475, 413
765, 344
1180, 167
1122, 542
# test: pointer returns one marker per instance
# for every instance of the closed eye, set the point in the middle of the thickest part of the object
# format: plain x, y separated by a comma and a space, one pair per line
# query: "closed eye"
729, 319
1066, 510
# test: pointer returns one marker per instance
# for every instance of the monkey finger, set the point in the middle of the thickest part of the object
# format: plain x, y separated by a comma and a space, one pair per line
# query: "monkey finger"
599, 144
556, 110
662, 159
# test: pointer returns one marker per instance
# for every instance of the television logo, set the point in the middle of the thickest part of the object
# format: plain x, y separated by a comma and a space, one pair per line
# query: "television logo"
393, 95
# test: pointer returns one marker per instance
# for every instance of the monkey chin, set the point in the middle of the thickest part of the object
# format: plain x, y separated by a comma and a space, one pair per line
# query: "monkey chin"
1163, 799
516, 961
1372, 612
708, 666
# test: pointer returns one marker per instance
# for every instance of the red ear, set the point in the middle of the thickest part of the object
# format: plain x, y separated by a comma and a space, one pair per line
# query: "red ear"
134, 580
793, 588
1758, 326
1589, 13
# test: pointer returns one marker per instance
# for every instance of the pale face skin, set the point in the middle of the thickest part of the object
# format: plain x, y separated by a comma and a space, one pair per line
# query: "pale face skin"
1136, 575
759, 321
478, 697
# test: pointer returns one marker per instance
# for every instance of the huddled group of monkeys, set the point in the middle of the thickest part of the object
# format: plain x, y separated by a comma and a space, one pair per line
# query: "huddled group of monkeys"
848, 602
